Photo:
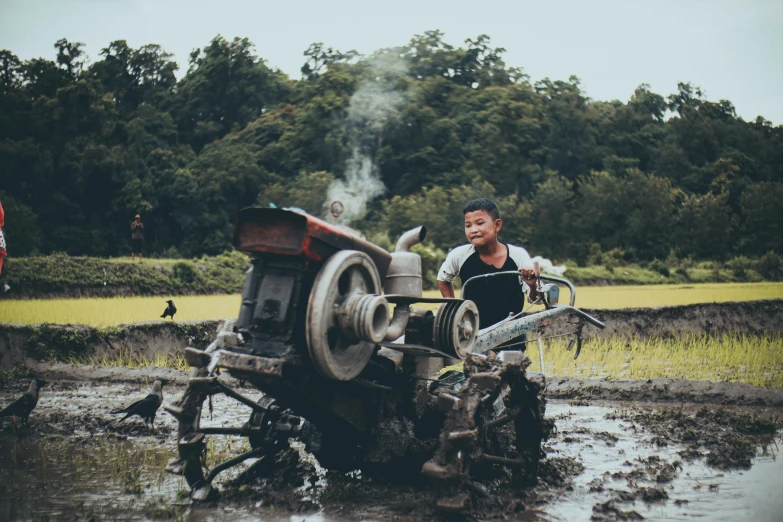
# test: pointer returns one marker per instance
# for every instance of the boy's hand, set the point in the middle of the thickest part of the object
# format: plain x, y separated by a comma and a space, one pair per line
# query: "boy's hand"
527, 275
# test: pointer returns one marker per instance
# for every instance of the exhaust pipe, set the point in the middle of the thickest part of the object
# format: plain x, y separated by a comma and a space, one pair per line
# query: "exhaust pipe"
410, 238
404, 278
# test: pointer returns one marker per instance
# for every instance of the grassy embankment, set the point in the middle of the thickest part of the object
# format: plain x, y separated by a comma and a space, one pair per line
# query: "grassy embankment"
67, 276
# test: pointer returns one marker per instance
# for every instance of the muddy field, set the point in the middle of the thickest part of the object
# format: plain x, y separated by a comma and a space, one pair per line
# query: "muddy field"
605, 460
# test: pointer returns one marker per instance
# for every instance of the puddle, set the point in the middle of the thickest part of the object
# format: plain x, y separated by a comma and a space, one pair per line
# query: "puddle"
696, 492
83, 464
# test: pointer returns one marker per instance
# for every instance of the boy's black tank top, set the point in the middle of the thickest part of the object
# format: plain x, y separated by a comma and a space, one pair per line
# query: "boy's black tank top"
495, 297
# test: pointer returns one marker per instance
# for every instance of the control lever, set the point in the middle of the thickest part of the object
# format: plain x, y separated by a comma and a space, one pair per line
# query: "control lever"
577, 340
537, 272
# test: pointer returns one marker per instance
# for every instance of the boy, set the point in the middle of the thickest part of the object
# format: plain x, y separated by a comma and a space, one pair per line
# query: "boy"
495, 297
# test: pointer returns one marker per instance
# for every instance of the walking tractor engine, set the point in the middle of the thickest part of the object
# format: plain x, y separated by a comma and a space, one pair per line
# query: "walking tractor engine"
328, 332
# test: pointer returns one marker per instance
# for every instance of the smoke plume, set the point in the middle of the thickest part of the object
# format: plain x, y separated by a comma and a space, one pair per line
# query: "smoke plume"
374, 105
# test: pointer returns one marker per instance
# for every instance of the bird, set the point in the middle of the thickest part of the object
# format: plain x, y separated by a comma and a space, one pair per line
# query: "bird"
170, 310
147, 407
22, 406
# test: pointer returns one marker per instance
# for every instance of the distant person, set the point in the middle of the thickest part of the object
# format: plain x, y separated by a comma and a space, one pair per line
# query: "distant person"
137, 237
3, 253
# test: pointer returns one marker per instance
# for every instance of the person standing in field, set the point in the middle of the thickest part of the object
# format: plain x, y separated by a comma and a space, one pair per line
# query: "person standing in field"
3, 252
137, 237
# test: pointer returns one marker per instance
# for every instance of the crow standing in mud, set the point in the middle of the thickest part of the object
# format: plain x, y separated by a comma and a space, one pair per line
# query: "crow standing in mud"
22, 406
147, 407
170, 310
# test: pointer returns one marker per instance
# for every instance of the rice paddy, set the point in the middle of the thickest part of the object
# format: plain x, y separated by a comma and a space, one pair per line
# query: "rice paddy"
125, 310
752, 359
117, 310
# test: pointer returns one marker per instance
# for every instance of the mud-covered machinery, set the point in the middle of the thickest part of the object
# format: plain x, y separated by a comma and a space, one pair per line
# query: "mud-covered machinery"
328, 332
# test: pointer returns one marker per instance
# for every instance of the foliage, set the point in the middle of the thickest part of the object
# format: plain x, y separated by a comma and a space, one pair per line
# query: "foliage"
770, 265
431, 259
79, 276
660, 267
739, 266
120, 134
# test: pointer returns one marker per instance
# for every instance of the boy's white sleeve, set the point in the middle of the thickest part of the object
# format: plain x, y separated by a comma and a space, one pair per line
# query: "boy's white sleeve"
520, 256
450, 267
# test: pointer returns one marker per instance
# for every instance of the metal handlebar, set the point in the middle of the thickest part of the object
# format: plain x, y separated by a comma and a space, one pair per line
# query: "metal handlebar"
549, 278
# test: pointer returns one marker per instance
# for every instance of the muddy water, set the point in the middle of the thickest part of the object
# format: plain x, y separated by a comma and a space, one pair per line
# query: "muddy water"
76, 461
606, 447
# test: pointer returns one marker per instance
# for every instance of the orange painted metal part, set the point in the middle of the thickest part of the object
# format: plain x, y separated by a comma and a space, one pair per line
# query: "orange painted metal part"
284, 232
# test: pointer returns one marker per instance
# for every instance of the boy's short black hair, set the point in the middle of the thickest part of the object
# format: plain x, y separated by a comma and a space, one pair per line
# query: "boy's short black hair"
487, 205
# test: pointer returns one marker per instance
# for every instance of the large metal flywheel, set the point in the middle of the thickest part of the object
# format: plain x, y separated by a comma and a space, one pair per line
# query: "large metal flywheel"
346, 316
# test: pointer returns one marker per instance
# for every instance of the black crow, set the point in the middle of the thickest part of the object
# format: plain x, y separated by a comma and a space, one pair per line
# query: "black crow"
147, 407
170, 310
22, 406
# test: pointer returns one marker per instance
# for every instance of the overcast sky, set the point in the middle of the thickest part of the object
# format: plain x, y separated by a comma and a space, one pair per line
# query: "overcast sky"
732, 49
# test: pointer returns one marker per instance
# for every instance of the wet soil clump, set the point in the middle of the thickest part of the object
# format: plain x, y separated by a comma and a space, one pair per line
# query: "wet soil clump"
725, 439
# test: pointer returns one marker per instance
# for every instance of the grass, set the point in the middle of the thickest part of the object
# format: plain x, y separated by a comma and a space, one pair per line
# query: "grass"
751, 359
125, 358
125, 310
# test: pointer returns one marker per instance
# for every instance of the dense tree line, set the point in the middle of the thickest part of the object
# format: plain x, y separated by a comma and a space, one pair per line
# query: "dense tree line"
85, 146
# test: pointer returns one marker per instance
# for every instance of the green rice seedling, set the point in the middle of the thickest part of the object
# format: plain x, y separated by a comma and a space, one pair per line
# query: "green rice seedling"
752, 359
125, 358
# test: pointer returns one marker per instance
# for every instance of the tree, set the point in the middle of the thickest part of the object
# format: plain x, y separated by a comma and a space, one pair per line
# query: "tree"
551, 217
70, 57
319, 58
762, 210
706, 227
227, 86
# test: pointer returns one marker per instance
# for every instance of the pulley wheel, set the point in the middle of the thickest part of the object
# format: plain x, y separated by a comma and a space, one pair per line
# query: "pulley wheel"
335, 354
456, 327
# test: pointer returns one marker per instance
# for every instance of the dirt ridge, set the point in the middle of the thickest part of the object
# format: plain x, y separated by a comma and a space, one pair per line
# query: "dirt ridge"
664, 390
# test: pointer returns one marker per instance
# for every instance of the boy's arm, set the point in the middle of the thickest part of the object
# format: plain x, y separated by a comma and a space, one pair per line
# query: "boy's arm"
446, 289
448, 271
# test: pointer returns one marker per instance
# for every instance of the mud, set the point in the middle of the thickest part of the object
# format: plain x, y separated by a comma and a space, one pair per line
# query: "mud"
607, 461
580, 392
583, 391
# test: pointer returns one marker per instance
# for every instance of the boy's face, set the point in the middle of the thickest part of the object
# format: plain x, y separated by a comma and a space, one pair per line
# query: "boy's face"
481, 229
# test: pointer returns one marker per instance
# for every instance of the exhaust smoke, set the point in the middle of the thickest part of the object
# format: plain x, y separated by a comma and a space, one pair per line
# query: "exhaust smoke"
373, 106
